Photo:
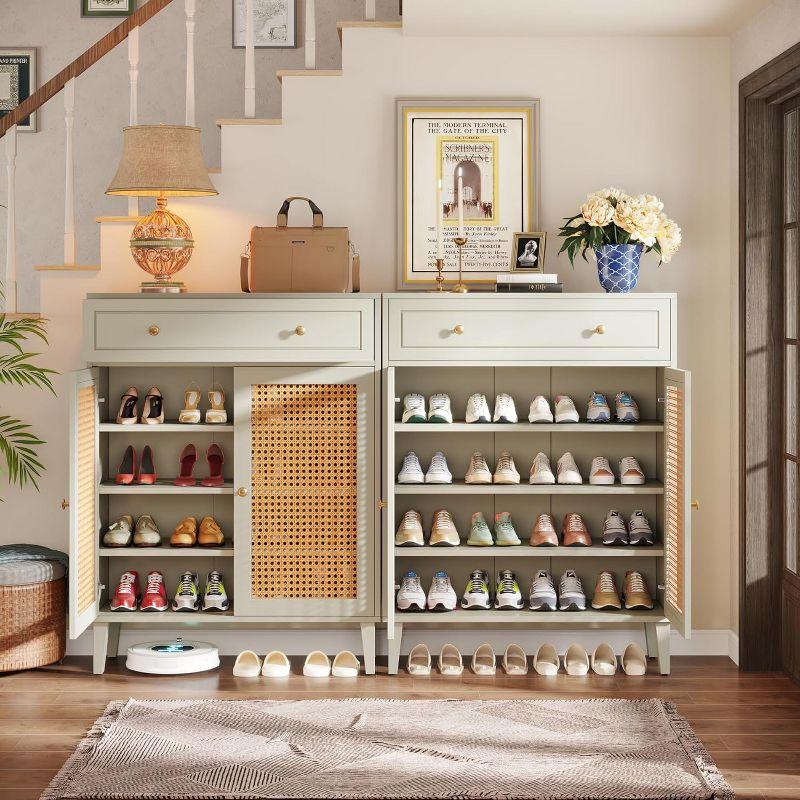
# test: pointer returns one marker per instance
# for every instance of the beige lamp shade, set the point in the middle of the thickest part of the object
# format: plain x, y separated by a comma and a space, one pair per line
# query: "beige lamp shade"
161, 160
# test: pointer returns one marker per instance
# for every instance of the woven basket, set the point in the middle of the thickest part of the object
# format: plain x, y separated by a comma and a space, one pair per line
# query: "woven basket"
33, 621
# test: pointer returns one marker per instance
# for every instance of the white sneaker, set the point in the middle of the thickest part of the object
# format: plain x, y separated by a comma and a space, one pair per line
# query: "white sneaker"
478, 409
476, 594
187, 595
411, 471
442, 595
630, 473
543, 592
504, 409
440, 409
540, 410
438, 471
507, 596
506, 470
413, 408
541, 472
568, 470
409, 531
478, 471
443, 531
571, 596
565, 409
411, 595
600, 474
215, 598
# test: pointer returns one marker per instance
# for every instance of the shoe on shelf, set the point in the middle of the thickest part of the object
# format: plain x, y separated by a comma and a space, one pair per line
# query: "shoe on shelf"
126, 472
187, 595
476, 594
147, 467
215, 598
507, 595
614, 530
153, 408
639, 531
604, 660
479, 533
541, 471
345, 665
450, 661
216, 413
441, 595
540, 410
190, 413
515, 660
567, 470
478, 409
600, 473
605, 592
155, 593
504, 409
247, 665
630, 473
128, 407
571, 596
544, 532
506, 470
443, 530
146, 533
185, 533
565, 410
210, 534
409, 531
484, 661
411, 595
187, 459
504, 533
411, 470
440, 411
634, 660
575, 533
215, 458
317, 665
128, 593
598, 410
419, 661
413, 408
542, 595
634, 591
478, 472
576, 660
438, 471
276, 665
627, 408
546, 661
119, 533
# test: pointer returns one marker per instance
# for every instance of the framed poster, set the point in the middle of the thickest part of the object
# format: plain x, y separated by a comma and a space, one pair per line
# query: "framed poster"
488, 147
274, 23
527, 254
107, 8
17, 82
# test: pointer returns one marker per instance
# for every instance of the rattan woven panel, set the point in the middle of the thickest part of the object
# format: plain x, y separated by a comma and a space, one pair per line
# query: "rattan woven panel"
304, 491
674, 504
86, 499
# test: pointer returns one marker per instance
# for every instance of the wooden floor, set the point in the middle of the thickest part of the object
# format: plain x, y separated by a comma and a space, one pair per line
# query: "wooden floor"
749, 722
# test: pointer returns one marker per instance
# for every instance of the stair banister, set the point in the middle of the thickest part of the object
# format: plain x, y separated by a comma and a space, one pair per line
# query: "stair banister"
249, 62
190, 8
10, 281
311, 34
70, 247
369, 12
133, 74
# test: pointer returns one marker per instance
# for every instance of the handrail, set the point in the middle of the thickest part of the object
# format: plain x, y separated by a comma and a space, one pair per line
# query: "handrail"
99, 49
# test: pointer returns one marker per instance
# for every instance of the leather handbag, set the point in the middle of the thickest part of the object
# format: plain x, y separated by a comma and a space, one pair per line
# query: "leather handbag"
285, 259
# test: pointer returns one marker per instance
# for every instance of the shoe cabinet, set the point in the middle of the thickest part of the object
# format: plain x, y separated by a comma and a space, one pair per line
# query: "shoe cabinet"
299, 503
560, 344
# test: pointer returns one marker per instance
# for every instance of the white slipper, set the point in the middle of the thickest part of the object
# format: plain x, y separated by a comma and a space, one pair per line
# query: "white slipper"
484, 661
450, 661
634, 660
317, 665
576, 660
276, 665
515, 660
604, 660
345, 665
419, 660
546, 662
248, 665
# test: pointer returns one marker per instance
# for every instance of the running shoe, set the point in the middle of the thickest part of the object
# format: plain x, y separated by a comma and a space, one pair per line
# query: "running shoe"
635, 592
187, 595
479, 533
567, 470
627, 408
215, 598
411, 470
128, 593
544, 532
507, 596
440, 410
409, 531
605, 592
575, 533
414, 408
571, 596
478, 409
476, 595
411, 595
598, 410
639, 530
155, 593
541, 471
543, 592
438, 471
504, 409
614, 530
506, 471
478, 471
442, 595
443, 530
540, 410
504, 533
565, 410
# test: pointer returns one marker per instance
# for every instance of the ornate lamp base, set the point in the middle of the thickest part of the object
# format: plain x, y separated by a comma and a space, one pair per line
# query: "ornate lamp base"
162, 287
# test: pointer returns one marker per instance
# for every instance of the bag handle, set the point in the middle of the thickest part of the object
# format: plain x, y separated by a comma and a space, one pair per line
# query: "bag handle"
283, 213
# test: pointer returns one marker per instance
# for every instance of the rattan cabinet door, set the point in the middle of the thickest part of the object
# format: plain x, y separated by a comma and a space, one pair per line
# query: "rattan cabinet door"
305, 481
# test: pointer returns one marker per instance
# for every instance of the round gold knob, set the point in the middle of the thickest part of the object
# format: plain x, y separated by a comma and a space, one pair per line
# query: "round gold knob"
600, 329
64, 504
241, 491
696, 505
154, 330
458, 330
300, 330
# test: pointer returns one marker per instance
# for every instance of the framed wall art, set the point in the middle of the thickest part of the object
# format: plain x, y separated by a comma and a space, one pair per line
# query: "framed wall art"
527, 254
107, 8
274, 23
17, 81
466, 167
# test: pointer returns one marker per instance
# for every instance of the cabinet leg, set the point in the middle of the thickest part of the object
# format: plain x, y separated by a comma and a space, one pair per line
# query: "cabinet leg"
368, 644
662, 637
113, 639
100, 631
651, 639
394, 649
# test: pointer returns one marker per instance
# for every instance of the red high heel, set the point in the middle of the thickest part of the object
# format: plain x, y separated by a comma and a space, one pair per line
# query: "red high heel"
126, 472
215, 458
147, 467
188, 459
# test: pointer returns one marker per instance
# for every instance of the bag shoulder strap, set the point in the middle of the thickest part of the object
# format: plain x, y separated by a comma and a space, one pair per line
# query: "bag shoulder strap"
283, 213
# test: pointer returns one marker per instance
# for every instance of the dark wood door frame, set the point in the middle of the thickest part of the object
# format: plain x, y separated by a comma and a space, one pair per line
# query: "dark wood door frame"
761, 443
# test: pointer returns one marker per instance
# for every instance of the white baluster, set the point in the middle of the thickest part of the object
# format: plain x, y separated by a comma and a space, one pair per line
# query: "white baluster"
10, 282
370, 9
133, 73
69, 188
190, 6
249, 62
311, 34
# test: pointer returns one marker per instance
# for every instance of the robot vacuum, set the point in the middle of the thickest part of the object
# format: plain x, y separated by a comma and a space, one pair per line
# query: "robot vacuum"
172, 658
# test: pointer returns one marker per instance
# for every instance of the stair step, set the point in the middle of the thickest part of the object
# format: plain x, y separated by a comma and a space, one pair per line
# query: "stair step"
221, 122
67, 268
308, 73
367, 23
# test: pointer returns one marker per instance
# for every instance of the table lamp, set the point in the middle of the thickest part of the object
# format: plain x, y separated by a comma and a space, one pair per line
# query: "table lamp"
161, 161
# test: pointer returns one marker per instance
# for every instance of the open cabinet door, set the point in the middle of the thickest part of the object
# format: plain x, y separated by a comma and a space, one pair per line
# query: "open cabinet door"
388, 493
677, 502
84, 526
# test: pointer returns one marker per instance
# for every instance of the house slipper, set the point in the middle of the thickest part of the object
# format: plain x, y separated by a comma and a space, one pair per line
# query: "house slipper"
317, 665
419, 660
546, 662
604, 660
576, 660
276, 665
248, 665
515, 660
484, 660
634, 660
345, 665
450, 662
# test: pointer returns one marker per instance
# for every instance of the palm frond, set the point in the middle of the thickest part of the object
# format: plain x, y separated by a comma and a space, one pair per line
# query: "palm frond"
14, 331
16, 444
17, 369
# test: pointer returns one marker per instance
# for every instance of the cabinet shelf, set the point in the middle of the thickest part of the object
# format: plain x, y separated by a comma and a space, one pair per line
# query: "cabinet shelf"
526, 551
166, 551
526, 617
163, 487
170, 618
459, 487
646, 426
166, 427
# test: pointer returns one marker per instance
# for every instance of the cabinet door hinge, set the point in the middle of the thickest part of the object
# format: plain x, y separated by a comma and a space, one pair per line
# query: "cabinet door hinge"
381, 505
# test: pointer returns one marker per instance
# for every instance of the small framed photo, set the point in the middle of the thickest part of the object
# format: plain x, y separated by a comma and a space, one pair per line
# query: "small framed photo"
17, 82
107, 8
274, 23
528, 252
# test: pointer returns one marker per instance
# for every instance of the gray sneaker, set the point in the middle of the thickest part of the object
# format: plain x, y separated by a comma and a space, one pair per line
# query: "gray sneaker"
640, 532
504, 532
479, 533
571, 596
614, 530
543, 592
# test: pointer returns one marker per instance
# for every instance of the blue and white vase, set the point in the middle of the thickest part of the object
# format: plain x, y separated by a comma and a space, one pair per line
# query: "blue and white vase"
618, 266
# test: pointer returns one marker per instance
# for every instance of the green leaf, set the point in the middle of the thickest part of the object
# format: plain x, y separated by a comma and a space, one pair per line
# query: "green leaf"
17, 446
17, 369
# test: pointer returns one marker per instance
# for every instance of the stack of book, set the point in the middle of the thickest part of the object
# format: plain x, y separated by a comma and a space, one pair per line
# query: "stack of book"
528, 282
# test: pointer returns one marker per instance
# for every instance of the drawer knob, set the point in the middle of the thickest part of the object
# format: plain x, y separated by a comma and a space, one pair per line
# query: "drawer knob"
600, 329
458, 330
154, 330
300, 330
241, 491
696, 505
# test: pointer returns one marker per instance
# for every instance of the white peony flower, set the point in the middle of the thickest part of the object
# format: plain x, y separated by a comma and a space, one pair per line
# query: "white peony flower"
669, 238
610, 194
637, 216
597, 212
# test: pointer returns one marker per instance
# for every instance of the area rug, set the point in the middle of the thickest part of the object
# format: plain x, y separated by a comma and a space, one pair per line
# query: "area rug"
359, 748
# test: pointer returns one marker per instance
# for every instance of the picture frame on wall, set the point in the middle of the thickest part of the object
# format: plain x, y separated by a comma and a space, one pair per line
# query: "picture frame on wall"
17, 82
527, 254
107, 8
493, 146
274, 23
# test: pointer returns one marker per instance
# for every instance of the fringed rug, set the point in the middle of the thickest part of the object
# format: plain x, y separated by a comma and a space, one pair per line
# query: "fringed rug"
357, 748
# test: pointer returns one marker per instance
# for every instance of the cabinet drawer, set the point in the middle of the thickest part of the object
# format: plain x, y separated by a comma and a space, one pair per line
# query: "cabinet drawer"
568, 329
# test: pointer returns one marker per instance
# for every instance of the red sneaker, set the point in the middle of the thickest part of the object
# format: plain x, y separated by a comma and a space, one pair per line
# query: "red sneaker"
155, 595
128, 593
